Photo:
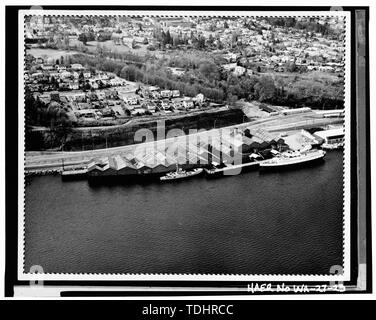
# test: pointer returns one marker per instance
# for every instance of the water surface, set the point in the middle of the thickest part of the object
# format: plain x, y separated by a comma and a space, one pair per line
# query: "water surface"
286, 222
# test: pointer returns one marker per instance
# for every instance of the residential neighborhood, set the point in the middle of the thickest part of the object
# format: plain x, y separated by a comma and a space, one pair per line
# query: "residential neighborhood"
118, 70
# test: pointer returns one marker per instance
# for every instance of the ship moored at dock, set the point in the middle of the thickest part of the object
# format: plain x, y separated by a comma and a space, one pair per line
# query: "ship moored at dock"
290, 159
181, 174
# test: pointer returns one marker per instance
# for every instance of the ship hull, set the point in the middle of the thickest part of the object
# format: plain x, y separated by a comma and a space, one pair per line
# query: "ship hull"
195, 174
291, 165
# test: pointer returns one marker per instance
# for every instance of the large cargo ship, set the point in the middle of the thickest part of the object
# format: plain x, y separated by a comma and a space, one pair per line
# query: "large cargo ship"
291, 159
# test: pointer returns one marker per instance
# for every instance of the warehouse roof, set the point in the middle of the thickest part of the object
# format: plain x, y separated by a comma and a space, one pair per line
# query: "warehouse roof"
330, 133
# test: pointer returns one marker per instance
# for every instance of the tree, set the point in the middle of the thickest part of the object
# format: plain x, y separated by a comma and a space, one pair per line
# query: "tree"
128, 73
231, 99
168, 37
291, 67
210, 41
281, 85
219, 44
234, 37
175, 41
83, 38
265, 88
66, 41
81, 78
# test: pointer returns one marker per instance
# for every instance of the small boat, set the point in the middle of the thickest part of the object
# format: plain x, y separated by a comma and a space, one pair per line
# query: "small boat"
332, 146
181, 174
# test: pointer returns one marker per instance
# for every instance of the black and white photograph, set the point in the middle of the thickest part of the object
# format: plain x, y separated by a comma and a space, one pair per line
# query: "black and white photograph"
188, 145
185, 146
188, 158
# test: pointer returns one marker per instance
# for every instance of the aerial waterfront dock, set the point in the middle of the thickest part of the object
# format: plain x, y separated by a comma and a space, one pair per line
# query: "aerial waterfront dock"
277, 124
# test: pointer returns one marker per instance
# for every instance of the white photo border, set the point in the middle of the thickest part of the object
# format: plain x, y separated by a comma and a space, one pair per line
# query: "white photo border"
345, 276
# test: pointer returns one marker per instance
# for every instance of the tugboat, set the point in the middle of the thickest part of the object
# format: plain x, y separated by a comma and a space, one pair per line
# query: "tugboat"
181, 174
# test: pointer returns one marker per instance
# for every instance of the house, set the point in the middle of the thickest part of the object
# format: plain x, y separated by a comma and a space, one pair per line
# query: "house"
166, 93
229, 66
127, 41
165, 105
200, 98
238, 71
188, 104
111, 94
86, 113
150, 106
77, 66
326, 69
230, 57
94, 84
177, 71
46, 67
138, 112
155, 94
116, 82
60, 67
178, 105
73, 85
250, 72
37, 75
128, 98
64, 85
83, 106
65, 74
54, 74
153, 88
101, 95
175, 93
100, 76
78, 96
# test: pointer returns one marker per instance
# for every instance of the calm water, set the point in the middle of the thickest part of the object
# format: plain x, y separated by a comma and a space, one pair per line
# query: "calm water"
286, 222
